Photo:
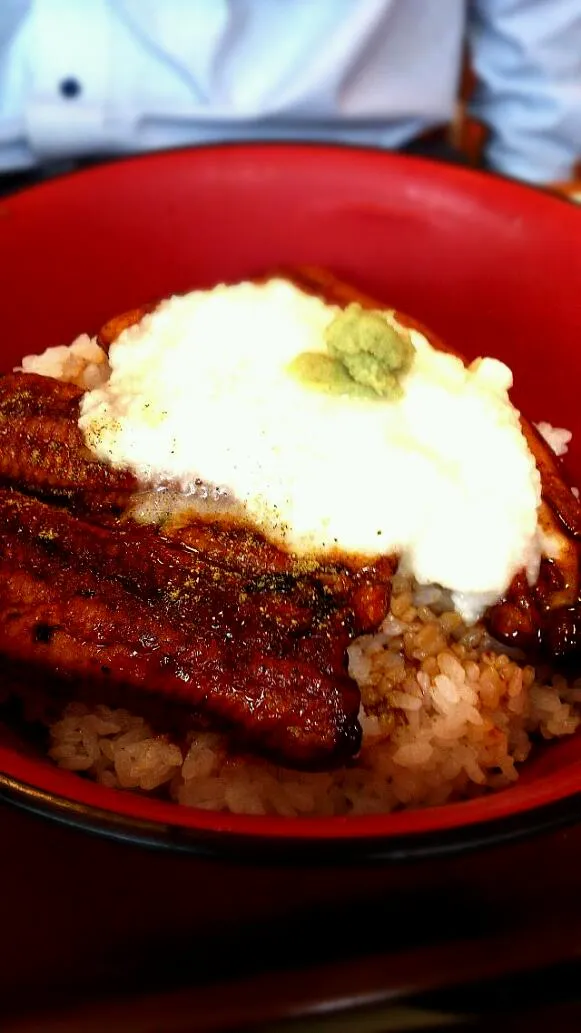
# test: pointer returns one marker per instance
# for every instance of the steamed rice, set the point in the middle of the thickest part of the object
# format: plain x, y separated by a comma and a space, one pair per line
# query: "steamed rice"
445, 712
558, 438
83, 363
445, 715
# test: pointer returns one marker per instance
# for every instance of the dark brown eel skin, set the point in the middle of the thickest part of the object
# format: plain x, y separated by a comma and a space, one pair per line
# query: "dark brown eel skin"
211, 618
42, 449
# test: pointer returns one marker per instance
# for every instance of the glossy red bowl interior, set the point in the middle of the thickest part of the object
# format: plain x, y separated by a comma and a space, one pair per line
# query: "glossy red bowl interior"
490, 266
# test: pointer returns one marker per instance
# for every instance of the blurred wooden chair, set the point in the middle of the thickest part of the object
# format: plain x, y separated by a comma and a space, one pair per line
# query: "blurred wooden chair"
469, 136
466, 133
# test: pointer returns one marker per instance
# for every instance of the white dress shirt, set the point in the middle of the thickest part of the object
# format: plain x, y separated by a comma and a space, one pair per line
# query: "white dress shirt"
82, 78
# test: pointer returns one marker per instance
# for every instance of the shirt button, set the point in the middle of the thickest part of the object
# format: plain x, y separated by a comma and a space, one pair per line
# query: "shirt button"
70, 88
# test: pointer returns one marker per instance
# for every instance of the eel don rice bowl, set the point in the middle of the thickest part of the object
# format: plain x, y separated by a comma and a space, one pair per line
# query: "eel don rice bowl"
268, 548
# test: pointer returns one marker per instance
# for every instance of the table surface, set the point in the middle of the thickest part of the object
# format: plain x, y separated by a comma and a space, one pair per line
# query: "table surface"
83, 916
173, 936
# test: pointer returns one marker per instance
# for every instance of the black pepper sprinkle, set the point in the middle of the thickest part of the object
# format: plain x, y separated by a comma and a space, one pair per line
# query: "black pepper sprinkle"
43, 633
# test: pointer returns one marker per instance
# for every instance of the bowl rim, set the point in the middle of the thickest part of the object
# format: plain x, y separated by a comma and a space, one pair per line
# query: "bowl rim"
298, 146
312, 852
34, 783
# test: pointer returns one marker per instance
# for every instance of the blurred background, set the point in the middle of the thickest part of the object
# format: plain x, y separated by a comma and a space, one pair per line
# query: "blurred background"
493, 83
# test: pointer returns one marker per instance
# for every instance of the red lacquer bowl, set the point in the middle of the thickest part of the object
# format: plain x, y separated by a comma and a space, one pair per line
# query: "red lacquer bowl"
490, 266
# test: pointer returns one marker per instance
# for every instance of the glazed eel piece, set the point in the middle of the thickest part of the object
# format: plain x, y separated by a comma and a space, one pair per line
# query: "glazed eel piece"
118, 607
42, 450
208, 617
545, 618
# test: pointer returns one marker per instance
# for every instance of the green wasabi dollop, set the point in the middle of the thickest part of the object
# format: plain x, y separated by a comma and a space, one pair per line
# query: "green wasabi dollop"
320, 371
373, 351
366, 357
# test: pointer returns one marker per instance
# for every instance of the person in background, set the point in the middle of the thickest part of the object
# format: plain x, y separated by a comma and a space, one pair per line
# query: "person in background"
84, 79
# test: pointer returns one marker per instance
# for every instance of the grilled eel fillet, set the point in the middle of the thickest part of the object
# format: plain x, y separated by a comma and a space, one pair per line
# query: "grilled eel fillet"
213, 619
